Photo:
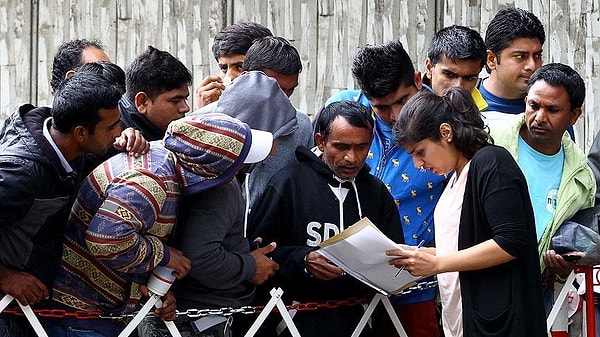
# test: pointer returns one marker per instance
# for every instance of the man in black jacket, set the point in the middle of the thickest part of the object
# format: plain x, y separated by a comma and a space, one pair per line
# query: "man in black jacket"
41, 150
311, 201
157, 89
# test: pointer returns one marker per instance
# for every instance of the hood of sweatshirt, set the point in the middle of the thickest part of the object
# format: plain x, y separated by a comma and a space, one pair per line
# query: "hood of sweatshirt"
257, 99
22, 136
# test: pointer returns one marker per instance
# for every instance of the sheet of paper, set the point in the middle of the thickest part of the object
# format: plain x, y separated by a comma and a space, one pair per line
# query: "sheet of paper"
360, 252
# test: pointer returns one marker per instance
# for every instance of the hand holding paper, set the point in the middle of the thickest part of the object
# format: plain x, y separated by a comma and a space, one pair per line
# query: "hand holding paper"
404, 266
320, 267
360, 251
413, 259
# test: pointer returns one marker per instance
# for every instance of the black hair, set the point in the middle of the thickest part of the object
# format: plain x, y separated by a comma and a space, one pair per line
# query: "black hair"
237, 38
355, 113
457, 43
274, 53
68, 57
112, 72
380, 70
78, 100
558, 74
154, 72
423, 114
510, 24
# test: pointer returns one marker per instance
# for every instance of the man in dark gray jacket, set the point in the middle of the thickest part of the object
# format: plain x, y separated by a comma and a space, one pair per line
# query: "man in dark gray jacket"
41, 159
211, 233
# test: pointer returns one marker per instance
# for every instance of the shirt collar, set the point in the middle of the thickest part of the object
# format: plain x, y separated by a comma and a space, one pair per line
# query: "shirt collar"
46, 127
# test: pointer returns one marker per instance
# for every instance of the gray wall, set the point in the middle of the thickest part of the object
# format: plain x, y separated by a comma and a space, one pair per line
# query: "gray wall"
326, 32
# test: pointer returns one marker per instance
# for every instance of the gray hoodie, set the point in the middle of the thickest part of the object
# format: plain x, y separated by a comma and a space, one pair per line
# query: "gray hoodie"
257, 100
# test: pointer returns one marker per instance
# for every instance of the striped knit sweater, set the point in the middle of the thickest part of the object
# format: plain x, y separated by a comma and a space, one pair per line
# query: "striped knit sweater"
123, 213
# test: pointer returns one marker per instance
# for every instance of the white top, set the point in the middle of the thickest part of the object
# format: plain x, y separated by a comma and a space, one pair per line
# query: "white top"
446, 218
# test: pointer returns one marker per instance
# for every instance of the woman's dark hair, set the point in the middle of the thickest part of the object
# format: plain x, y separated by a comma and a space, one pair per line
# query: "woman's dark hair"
423, 114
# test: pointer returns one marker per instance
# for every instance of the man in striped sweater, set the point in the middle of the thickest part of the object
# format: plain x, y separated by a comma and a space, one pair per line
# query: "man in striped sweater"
126, 210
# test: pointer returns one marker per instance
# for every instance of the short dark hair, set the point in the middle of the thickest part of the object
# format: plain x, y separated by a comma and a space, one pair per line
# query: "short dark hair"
510, 24
112, 72
423, 114
380, 69
457, 43
237, 38
355, 113
274, 53
68, 57
558, 74
79, 98
154, 72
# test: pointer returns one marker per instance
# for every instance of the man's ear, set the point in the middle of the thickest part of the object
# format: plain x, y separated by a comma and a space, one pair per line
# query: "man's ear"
575, 114
428, 67
81, 134
320, 141
69, 73
491, 60
141, 102
418, 80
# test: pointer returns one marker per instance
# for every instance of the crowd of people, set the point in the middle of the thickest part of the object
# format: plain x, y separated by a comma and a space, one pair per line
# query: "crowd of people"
470, 177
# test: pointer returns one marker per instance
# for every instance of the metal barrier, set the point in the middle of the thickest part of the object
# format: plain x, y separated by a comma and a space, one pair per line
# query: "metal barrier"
275, 304
589, 309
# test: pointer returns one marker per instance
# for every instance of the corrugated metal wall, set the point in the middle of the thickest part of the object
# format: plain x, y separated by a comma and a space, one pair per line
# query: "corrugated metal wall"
326, 32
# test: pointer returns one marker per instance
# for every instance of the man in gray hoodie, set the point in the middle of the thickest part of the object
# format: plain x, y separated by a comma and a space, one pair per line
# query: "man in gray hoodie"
258, 100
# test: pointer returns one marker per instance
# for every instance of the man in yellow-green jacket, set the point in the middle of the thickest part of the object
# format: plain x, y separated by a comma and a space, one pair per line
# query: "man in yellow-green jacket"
559, 179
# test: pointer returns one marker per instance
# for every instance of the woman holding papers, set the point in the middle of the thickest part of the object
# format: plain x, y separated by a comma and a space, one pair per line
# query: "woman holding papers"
486, 256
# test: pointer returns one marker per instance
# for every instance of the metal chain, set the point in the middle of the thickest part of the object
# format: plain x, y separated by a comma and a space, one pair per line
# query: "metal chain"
228, 311
419, 287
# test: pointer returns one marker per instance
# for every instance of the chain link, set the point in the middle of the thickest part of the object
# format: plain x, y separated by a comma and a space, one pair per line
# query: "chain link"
228, 311
419, 287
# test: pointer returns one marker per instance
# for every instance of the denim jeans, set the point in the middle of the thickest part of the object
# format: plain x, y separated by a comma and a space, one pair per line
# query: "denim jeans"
15, 327
57, 330
153, 327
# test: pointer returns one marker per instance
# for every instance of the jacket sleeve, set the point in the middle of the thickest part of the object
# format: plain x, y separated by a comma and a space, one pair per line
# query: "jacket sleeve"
212, 217
594, 163
18, 184
505, 200
272, 220
119, 234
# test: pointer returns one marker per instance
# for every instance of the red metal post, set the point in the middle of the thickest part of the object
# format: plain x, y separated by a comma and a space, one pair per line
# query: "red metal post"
589, 299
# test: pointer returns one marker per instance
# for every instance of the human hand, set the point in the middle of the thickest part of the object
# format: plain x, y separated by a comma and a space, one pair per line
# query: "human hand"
321, 268
168, 310
209, 90
132, 141
179, 263
418, 262
265, 267
557, 264
24, 287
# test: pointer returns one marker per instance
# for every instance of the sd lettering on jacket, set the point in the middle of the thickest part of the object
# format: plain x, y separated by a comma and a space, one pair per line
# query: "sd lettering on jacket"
318, 233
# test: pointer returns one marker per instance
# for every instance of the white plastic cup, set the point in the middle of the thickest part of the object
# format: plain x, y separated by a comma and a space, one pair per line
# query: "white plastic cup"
161, 279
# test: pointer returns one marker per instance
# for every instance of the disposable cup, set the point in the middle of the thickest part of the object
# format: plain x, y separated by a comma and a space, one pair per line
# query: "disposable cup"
161, 279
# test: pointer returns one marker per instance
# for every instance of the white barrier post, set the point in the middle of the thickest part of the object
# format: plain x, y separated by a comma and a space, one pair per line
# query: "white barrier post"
369, 312
159, 283
559, 301
31, 317
274, 301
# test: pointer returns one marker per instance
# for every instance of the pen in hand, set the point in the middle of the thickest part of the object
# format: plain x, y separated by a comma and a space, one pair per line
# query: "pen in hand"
402, 268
